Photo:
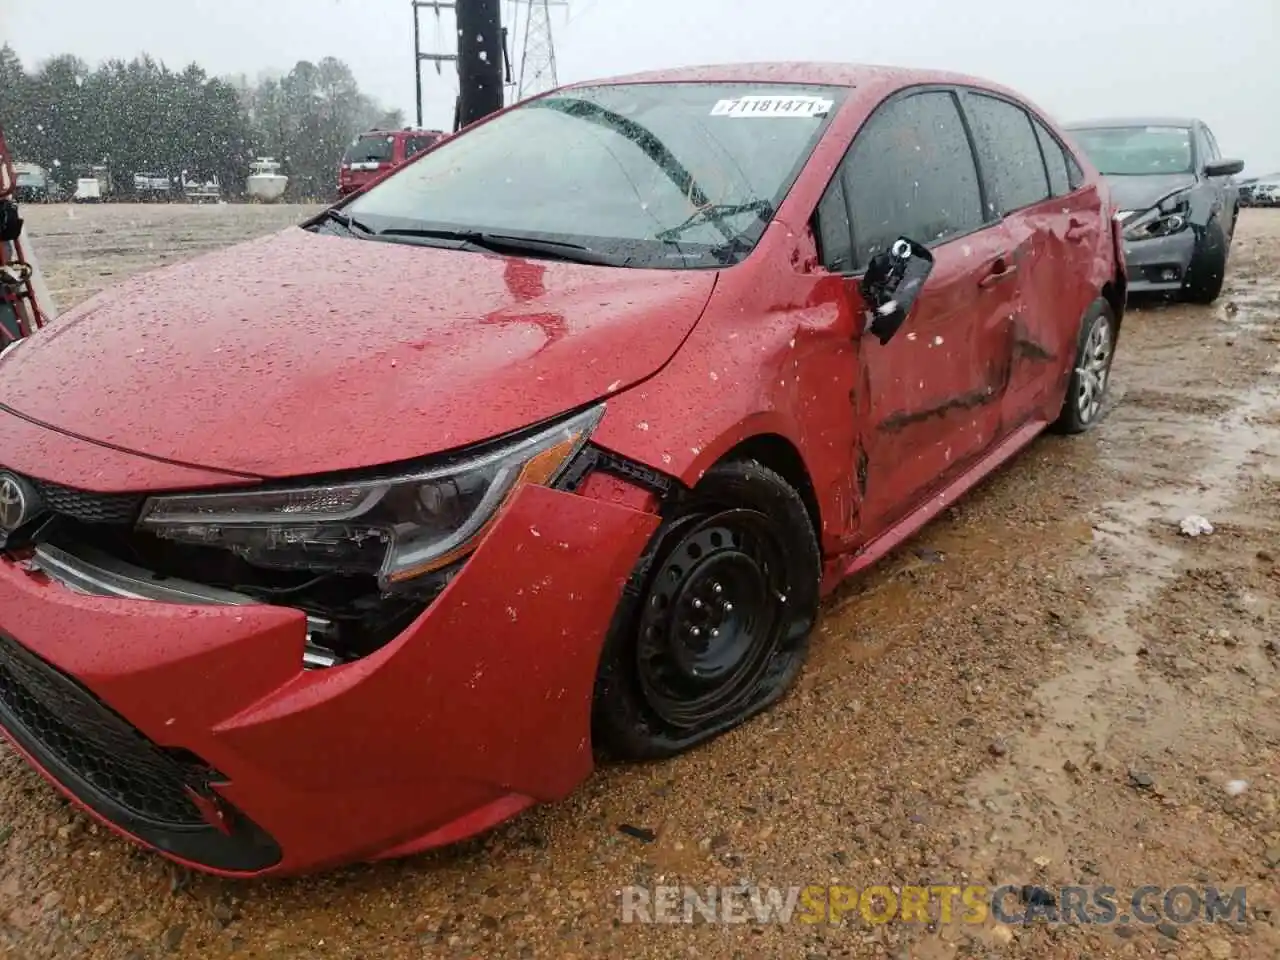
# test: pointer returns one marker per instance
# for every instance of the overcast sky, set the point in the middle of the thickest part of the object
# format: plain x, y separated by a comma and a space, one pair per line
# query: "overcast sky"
1218, 59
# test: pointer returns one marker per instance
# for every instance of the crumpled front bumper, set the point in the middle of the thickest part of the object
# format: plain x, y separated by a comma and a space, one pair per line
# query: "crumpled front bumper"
476, 711
1160, 265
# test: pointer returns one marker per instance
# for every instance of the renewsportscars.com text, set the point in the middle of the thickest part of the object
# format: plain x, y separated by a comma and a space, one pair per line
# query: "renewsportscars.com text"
973, 904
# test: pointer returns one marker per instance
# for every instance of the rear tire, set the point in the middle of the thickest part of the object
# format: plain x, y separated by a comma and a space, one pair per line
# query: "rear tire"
714, 624
1090, 381
1208, 267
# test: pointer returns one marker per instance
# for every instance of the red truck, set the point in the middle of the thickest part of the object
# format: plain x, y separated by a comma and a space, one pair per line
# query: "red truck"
25, 305
374, 153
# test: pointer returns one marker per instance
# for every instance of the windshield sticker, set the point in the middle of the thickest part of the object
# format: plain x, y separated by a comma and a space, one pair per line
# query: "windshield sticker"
763, 106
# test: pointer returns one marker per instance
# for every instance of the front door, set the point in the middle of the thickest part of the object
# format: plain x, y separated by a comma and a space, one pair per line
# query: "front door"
927, 401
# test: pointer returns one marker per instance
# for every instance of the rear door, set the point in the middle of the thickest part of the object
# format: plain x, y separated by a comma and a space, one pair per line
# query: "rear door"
1087, 230
927, 401
1046, 238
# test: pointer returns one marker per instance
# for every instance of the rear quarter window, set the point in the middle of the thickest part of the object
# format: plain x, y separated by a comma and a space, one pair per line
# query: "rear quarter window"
1011, 158
416, 145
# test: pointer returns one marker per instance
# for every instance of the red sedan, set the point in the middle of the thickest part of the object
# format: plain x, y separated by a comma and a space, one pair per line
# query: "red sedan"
361, 538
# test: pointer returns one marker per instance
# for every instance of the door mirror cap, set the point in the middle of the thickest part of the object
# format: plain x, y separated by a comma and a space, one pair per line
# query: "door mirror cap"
1223, 168
892, 284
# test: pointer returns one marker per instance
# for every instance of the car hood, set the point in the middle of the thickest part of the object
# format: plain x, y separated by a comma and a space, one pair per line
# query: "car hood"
1142, 193
302, 353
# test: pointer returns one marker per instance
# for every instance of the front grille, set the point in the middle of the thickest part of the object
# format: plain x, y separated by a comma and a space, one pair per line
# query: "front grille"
116, 509
91, 739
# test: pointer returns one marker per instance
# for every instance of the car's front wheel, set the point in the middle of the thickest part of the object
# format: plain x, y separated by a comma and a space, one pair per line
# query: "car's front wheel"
1208, 266
714, 624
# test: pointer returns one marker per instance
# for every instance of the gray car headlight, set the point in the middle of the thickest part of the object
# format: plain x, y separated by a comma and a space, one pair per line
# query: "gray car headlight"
397, 528
1171, 215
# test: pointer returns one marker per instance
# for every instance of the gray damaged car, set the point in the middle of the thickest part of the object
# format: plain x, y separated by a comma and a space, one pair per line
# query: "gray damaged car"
1177, 196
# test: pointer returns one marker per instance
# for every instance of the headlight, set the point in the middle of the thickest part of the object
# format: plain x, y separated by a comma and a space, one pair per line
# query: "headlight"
1167, 217
397, 527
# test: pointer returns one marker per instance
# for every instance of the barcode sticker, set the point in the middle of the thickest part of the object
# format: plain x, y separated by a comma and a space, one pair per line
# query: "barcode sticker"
766, 106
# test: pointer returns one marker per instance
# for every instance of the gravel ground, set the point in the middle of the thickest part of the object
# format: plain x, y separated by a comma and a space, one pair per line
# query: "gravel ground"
1049, 685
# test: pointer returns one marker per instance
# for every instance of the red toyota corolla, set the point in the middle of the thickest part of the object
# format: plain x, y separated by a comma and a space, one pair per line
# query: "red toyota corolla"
357, 539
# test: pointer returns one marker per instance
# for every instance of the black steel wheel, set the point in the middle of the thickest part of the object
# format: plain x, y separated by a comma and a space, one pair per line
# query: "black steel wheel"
714, 625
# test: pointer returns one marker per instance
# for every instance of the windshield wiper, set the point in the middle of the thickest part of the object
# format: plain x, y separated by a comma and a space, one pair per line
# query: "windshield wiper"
716, 214
351, 224
506, 243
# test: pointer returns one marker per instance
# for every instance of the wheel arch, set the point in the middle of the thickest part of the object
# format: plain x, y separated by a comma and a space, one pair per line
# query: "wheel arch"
779, 454
1114, 292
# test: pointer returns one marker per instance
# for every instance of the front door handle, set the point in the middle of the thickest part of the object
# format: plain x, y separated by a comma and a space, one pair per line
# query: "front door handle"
1000, 269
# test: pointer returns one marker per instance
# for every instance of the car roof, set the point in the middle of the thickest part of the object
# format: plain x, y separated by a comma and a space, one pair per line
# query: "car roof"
1132, 122
798, 72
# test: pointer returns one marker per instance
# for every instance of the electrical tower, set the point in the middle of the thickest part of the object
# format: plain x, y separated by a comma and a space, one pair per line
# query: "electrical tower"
538, 52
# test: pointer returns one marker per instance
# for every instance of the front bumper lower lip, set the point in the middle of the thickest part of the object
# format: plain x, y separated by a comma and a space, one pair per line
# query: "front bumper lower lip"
477, 710
97, 759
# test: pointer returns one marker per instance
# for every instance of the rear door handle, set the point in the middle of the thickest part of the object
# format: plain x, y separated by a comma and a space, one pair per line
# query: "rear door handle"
1000, 269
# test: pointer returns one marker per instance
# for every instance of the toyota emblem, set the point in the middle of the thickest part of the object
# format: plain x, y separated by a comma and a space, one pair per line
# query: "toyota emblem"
17, 503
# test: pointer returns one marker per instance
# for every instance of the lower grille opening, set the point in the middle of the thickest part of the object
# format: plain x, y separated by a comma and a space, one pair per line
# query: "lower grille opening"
1162, 273
113, 768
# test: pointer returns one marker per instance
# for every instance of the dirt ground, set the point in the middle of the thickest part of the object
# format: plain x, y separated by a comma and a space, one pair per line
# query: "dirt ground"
1050, 685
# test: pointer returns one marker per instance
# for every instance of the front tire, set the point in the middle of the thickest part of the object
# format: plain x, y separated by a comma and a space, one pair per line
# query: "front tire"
714, 624
1208, 268
1091, 377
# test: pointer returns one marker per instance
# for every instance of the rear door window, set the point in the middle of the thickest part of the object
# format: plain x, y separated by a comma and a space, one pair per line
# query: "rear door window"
416, 145
1055, 161
1011, 158
911, 172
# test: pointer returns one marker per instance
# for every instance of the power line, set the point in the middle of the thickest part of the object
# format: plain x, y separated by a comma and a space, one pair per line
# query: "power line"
537, 71
480, 56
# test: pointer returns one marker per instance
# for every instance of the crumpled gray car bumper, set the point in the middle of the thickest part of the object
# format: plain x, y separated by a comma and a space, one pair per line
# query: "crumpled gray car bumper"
1159, 265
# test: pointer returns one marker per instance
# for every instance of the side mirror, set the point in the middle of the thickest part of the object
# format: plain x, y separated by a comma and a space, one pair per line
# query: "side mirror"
892, 284
1223, 168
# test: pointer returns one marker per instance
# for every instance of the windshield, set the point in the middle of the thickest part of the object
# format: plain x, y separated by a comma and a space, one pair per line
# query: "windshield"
660, 175
374, 149
1137, 151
